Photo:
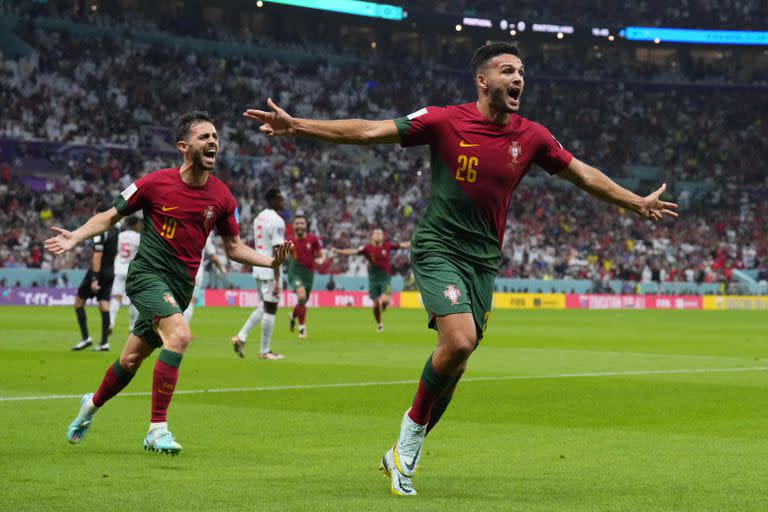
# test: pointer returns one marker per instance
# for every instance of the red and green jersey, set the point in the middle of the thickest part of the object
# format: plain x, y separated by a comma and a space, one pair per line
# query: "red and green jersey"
306, 250
378, 258
177, 220
476, 165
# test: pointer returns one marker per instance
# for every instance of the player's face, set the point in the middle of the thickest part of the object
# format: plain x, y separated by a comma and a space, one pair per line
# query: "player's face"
139, 226
377, 236
202, 145
300, 226
504, 81
278, 203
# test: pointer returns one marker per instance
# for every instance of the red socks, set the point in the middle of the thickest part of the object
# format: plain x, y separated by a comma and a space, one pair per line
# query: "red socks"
164, 380
115, 379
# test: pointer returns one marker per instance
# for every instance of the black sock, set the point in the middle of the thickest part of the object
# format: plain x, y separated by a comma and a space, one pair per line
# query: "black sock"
82, 322
104, 327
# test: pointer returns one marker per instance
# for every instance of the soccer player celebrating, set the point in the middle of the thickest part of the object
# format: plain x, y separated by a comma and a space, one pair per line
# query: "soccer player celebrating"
181, 206
308, 254
97, 283
379, 270
479, 153
127, 245
268, 234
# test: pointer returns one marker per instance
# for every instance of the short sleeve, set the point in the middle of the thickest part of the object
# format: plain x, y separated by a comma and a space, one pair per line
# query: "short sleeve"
278, 233
550, 155
418, 128
228, 223
362, 250
132, 199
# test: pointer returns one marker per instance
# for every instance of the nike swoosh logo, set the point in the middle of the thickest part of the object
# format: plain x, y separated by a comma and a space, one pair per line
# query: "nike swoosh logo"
465, 144
413, 462
169, 208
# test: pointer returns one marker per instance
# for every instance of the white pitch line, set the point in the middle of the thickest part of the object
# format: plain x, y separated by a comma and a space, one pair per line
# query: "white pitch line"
627, 373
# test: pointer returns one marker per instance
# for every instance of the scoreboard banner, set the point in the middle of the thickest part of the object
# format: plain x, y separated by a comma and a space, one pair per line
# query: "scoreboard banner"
412, 300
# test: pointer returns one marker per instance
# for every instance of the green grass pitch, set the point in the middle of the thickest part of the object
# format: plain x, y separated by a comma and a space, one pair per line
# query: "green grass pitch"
560, 411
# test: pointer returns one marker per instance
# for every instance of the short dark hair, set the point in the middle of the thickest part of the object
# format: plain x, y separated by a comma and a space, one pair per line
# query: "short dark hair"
132, 221
188, 120
271, 194
299, 215
489, 51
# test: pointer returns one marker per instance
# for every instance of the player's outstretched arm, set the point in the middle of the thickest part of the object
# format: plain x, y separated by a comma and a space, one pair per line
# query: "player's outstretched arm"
65, 240
601, 186
277, 121
236, 250
345, 252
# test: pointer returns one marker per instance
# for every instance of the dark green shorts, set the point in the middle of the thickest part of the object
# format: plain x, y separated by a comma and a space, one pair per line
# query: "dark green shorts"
299, 276
450, 285
154, 299
378, 286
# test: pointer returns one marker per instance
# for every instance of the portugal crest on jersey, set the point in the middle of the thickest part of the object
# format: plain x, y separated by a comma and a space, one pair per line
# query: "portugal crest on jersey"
208, 215
515, 151
452, 293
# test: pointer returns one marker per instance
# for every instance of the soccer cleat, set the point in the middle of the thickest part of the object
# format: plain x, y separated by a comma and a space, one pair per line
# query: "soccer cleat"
271, 356
400, 485
379, 327
292, 322
101, 348
80, 345
302, 332
407, 451
82, 422
161, 440
238, 345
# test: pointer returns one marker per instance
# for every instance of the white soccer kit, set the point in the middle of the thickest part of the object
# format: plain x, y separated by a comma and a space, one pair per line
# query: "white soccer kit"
268, 231
127, 245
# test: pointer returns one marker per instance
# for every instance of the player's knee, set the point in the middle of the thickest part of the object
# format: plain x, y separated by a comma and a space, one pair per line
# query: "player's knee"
181, 337
461, 345
131, 362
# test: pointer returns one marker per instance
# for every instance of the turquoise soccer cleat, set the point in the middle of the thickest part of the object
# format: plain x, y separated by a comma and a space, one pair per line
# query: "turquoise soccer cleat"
161, 440
81, 424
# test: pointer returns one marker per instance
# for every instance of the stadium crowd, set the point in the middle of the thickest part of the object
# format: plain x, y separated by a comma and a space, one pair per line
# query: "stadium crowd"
119, 100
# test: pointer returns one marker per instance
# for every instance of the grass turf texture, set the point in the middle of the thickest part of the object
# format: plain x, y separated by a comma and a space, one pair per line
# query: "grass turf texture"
665, 441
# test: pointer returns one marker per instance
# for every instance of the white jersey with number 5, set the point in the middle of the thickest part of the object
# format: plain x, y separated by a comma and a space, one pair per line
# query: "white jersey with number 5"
127, 245
268, 231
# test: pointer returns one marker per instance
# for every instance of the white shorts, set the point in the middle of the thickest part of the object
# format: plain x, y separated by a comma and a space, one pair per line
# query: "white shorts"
118, 285
266, 289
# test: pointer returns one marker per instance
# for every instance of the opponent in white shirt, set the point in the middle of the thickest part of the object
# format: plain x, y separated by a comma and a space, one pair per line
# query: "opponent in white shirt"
209, 256
268, 232
127, 245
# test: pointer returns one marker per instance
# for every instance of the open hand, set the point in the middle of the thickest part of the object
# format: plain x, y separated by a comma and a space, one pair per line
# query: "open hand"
275, 122
61, 243
281, 254
653, 208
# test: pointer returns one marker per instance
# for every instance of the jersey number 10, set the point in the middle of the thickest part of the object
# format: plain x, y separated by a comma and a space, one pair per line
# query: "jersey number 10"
169, 227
